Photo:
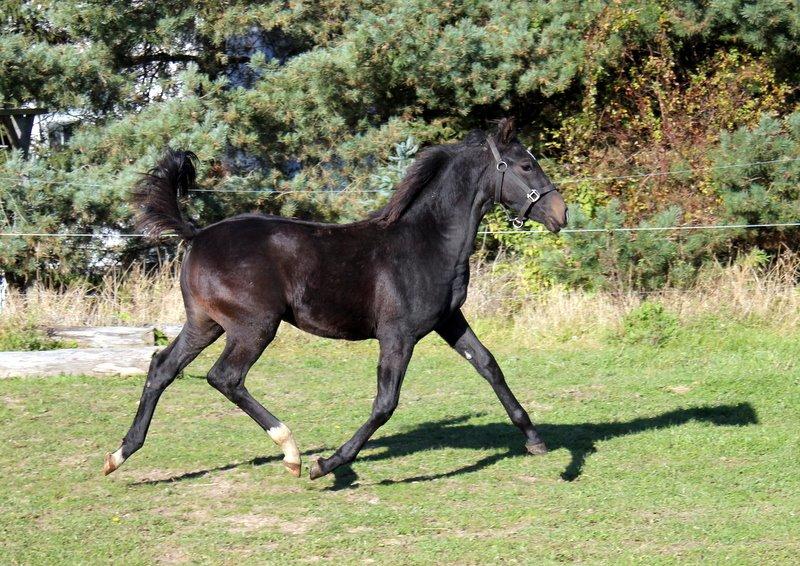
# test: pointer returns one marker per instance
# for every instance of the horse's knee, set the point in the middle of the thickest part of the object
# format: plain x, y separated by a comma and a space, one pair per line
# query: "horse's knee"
381, 417
494, 376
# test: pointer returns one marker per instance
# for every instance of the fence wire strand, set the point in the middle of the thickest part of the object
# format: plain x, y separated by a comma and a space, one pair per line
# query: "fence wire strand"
348, 190
480, 233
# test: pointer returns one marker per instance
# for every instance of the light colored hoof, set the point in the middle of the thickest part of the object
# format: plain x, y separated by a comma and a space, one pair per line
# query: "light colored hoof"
294, 469
315, 471
109, 465
536, 448
113, 461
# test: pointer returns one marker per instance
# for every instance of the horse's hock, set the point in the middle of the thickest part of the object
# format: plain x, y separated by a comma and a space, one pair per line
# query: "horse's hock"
109, 351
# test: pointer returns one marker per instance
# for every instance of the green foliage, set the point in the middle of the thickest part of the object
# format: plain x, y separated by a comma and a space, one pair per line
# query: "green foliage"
387, 178
159, 337
620, 261
768, 192
29, 338
648, 324
313, 99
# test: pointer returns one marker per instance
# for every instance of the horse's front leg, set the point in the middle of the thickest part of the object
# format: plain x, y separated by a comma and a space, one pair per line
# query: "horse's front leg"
457, 332
394, 357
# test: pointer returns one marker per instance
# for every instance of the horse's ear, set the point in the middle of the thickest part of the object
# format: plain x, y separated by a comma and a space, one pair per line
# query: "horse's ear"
505, 130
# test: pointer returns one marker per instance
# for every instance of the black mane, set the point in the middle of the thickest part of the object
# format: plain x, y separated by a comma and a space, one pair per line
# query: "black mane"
423, 171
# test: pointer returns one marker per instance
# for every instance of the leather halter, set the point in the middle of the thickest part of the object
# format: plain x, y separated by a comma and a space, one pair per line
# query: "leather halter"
532, 195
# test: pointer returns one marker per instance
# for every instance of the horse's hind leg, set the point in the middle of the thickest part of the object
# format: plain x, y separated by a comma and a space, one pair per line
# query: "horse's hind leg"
164, 367
227, 376
394, 357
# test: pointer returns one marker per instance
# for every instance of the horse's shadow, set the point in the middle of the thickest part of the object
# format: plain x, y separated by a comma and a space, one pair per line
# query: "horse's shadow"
580, 439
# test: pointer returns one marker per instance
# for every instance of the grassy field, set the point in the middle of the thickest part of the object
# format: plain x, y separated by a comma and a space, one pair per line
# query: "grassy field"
684, 452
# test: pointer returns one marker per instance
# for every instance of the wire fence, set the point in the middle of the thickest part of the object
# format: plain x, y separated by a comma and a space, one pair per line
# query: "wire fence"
328, 194
480, 233
351, 190
648, 228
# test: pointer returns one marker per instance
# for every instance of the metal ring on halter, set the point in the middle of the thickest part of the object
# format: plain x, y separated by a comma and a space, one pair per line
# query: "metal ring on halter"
517, 223
504, 166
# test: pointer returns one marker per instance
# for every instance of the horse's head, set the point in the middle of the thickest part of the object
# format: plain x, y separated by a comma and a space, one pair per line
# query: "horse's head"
520, 183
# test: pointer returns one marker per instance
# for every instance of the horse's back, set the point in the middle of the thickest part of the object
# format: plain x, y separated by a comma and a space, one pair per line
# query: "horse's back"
319, 277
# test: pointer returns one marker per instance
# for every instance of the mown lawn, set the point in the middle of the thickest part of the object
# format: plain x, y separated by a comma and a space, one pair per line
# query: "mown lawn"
686, 452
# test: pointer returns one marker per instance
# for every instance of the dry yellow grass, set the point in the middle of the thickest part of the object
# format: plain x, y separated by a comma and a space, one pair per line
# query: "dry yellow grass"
739, 291
129, 297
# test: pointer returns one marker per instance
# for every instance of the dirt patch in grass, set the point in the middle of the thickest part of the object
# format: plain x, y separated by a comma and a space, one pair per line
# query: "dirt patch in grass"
13, 403
174, 556
256, 522
77, 460
584, 393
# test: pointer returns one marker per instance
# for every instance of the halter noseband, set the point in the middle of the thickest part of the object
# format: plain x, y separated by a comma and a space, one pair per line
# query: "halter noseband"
532, 195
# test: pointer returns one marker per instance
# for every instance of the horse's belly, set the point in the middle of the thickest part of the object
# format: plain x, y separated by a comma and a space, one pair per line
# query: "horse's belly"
335, 331
331, 320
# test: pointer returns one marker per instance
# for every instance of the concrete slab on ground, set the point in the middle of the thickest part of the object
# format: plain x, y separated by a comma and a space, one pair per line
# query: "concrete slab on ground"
77, 361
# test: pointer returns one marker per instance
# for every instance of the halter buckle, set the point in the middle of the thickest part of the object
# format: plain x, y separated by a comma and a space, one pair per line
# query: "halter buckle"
534, 195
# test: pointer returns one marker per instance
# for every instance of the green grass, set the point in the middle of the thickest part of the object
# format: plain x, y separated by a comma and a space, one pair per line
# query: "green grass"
687, 452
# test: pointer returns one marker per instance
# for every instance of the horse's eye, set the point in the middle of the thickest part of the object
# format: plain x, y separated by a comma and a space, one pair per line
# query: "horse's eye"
526, 167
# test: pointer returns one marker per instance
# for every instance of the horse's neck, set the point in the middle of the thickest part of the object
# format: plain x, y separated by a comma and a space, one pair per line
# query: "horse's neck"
450, 226
464, 229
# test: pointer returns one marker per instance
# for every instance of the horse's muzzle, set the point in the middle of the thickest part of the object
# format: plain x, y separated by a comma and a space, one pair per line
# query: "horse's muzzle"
551, 211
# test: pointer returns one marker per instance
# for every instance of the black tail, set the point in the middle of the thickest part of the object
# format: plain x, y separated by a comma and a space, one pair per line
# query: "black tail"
156, 195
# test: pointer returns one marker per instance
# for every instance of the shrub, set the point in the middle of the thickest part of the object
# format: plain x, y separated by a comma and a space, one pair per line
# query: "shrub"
649, 323
311, 99
27, 338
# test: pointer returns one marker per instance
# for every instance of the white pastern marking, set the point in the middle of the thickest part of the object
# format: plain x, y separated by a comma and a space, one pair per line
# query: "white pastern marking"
117, 458
467, 355
282, 436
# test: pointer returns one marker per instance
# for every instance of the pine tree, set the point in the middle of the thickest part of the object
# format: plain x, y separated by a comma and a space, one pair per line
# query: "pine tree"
316, 97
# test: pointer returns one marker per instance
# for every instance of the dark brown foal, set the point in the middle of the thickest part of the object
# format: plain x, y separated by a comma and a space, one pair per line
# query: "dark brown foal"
395, 277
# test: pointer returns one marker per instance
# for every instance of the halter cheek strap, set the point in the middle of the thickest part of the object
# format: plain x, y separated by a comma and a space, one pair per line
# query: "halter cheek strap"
532, 195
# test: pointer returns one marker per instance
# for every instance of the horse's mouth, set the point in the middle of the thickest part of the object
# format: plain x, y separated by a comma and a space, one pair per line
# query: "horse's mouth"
553, 226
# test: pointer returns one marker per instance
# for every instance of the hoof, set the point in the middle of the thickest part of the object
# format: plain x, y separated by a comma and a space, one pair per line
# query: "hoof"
293, 468
536, 448
109, 465
112, 462
315, 471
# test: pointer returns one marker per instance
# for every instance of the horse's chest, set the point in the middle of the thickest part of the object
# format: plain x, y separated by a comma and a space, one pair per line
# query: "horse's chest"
458, 288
